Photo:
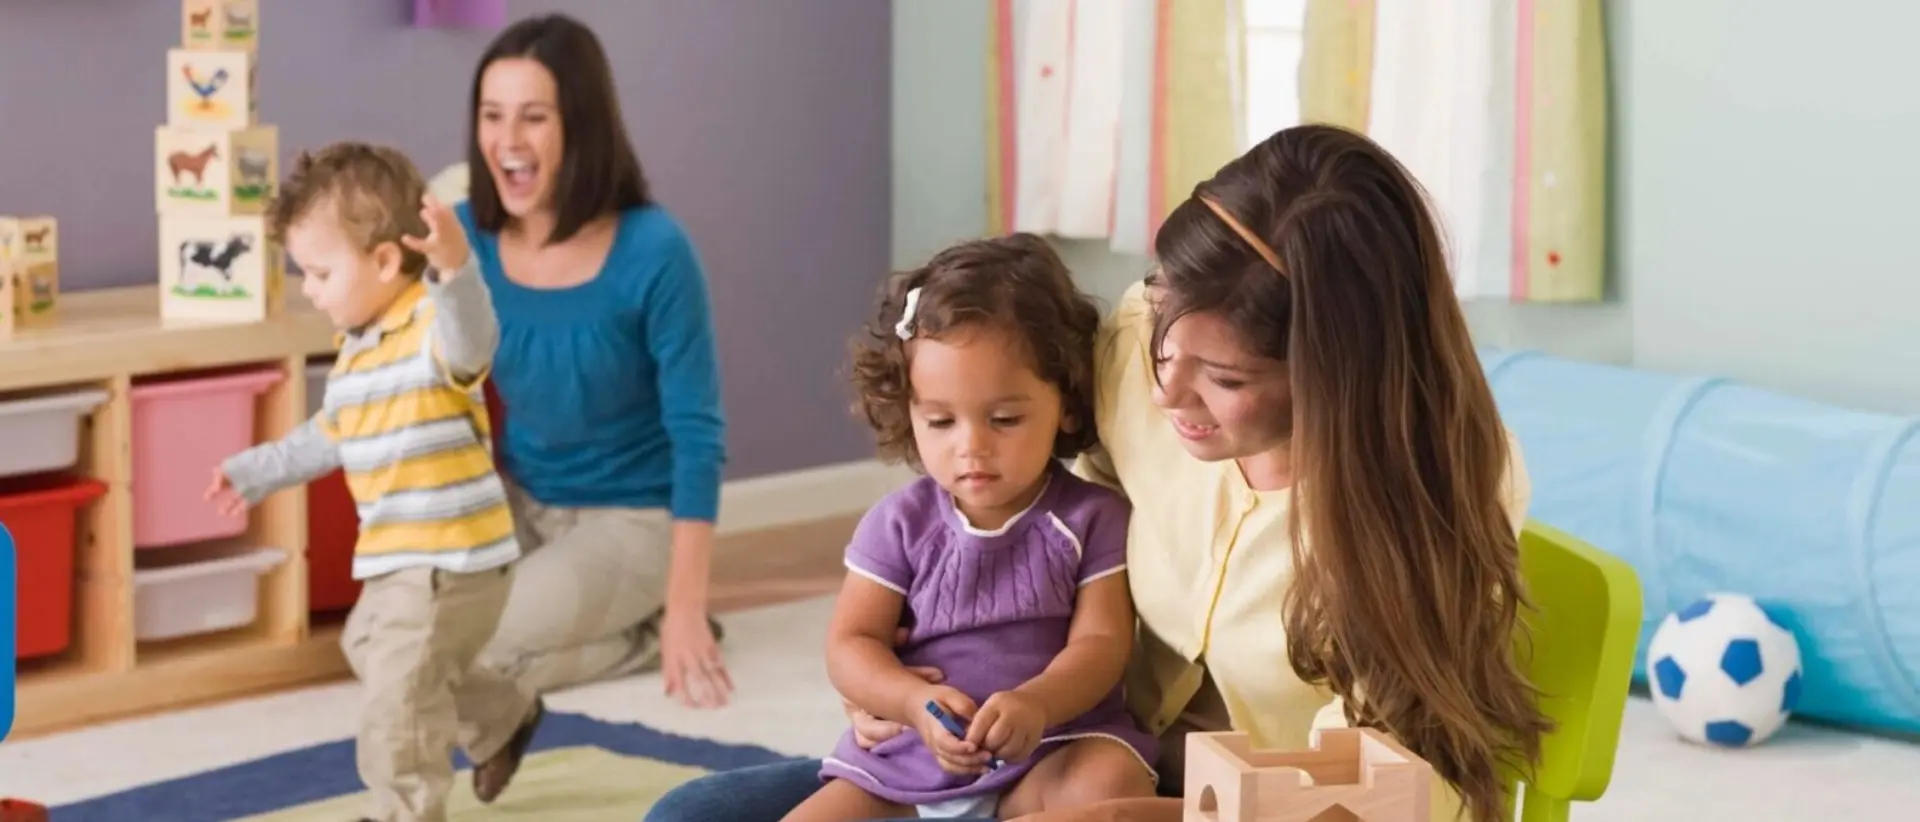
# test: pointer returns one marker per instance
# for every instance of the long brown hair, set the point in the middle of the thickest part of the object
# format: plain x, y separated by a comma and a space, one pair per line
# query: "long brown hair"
1407, 595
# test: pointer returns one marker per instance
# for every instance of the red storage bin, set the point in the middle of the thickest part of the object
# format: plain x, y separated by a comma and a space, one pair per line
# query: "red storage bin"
42, 513
333, 524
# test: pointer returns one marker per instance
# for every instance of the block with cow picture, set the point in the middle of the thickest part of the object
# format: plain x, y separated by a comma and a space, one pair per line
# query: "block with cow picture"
215, 172
219, 268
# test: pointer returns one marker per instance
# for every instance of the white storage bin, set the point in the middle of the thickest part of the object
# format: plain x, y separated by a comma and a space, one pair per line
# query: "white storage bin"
43, 433
200, 597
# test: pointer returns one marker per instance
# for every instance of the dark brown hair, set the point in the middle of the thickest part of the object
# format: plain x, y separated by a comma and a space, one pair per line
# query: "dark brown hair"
374, 190
599, 173
1015, 284
1407, 594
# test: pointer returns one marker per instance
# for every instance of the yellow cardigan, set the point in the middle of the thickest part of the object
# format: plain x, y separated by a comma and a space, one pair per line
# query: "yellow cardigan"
1207, 559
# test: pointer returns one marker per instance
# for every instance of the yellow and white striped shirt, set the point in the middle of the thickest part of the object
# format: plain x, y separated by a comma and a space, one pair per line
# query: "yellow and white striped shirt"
405, 418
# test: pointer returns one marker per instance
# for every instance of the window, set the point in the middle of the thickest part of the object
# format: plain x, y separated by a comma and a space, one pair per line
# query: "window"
1274, 36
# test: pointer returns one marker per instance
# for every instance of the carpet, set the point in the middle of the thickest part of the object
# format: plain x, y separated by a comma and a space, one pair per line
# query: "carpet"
578, 767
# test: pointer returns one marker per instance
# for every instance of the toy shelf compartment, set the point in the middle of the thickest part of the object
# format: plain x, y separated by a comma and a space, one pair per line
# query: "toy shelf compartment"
199, 613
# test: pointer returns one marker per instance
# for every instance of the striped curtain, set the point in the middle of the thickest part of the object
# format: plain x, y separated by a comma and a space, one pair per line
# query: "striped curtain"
1514, 153
1103, 114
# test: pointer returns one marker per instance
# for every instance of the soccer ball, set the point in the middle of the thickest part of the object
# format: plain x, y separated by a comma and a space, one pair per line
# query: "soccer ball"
1724, 672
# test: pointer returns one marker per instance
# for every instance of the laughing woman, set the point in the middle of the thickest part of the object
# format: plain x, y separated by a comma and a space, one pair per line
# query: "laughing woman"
613, 438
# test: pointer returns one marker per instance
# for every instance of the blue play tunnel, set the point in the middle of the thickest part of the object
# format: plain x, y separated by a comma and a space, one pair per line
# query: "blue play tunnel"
1704, 484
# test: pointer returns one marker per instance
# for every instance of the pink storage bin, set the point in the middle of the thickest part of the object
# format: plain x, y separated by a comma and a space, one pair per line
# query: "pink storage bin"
182, 429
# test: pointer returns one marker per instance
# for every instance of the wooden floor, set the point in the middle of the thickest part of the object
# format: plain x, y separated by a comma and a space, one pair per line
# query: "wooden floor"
780, 564
750, 570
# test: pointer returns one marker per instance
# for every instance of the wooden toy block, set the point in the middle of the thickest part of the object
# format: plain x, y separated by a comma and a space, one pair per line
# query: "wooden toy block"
215, 173
1353, 774
29, 272
212, 89
9, 299
219, 268
30, 239
220, 24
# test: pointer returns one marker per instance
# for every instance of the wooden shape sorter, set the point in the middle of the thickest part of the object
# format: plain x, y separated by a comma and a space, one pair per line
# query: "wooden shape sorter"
215, 172
219, 268
212, 89
220, 24
1352, 774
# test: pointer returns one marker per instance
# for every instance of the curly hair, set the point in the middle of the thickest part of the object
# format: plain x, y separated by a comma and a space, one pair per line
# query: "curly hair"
1015, 284
373, 190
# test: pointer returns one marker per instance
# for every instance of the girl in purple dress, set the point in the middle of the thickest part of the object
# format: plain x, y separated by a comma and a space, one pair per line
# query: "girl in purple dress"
1008, 572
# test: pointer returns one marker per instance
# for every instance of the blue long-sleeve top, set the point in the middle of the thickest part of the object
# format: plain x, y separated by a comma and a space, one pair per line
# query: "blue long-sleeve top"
612, 386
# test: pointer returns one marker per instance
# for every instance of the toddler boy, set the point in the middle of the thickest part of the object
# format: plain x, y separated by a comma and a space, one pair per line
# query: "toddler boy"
404, 416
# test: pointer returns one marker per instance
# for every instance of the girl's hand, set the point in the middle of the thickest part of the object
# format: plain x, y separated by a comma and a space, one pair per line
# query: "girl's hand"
954, 754
224, 498
445, 245
1010, 725
690, 660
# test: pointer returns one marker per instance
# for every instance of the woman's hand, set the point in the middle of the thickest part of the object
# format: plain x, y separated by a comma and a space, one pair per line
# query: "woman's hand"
870, 730
690, 660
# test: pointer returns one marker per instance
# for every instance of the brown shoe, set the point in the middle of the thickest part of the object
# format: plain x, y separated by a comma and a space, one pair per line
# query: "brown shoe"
490, 778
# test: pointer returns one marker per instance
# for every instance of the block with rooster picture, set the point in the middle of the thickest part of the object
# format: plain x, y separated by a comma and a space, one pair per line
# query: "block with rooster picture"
209, 89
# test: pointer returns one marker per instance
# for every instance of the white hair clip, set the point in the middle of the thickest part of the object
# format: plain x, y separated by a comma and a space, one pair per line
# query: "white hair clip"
904, 328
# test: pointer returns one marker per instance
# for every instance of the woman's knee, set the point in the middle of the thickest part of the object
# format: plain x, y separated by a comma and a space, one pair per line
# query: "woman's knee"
763, 793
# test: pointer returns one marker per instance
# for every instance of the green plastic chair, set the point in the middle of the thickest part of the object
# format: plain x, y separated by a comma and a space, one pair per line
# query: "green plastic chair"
1585, 627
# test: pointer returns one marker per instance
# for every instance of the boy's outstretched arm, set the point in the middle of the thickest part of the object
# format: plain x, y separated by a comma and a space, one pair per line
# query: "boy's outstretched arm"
465, 329
301, 456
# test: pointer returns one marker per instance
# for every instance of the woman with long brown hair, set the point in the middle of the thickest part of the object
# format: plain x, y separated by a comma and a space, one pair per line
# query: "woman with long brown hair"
1326, 504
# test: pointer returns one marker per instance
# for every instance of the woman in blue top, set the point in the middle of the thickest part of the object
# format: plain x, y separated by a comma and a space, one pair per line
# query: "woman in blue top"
613, 439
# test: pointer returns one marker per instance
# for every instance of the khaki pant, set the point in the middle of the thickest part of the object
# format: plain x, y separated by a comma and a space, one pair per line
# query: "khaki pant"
586, 596
413, 639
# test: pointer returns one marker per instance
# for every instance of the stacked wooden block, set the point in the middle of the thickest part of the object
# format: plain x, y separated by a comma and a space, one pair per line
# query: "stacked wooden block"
29, 272
215, 167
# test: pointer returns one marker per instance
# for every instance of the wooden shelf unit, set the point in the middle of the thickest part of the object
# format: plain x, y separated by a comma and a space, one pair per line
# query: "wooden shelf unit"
109, 339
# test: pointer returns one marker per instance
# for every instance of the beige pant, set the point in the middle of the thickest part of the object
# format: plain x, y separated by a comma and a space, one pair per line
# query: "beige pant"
413, 640
586, 596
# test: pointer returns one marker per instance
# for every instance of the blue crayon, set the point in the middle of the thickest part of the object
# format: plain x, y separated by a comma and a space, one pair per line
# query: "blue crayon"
954, 727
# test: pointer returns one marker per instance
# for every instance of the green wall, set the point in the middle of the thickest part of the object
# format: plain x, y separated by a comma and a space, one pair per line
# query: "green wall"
1762, 222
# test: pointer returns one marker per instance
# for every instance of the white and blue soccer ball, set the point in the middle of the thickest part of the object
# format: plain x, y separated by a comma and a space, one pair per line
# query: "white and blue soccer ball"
1724, 672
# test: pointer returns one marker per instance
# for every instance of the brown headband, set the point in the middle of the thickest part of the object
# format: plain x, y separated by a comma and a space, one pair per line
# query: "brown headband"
1259, 246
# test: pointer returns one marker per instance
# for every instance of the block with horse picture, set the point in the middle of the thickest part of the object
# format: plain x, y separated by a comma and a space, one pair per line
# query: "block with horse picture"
220, 24
215, 172
219, 268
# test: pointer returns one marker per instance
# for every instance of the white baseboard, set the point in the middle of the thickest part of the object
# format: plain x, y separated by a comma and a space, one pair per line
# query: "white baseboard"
821, 492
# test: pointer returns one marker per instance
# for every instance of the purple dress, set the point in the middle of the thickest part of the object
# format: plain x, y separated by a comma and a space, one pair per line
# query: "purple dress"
990, 610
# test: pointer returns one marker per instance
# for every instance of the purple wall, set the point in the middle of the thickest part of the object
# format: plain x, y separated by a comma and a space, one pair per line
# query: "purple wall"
763, 125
